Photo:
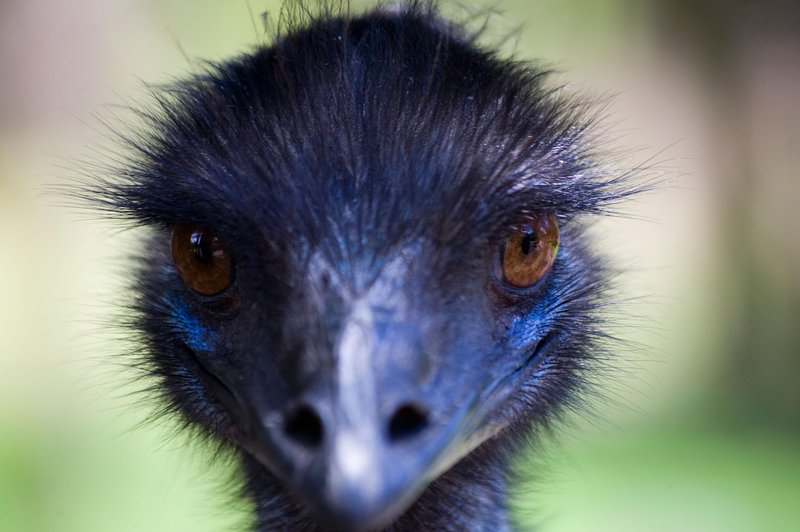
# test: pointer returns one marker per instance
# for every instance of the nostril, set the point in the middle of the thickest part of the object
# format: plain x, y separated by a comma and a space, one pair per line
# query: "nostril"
407, 421
304, 426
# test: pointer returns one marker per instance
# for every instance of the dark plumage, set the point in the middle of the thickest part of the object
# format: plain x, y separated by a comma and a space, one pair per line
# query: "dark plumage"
337, 301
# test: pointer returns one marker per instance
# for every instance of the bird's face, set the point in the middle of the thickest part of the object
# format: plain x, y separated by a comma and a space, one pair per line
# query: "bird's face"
359, 371
367, 258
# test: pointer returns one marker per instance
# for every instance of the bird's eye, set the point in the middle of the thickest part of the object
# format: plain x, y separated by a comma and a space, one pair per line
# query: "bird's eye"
202, 262
530, 250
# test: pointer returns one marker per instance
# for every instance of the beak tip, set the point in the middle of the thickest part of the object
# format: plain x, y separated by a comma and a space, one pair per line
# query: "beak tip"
364, 490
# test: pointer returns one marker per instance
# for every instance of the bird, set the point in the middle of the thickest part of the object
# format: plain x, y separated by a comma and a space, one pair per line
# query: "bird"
365, 264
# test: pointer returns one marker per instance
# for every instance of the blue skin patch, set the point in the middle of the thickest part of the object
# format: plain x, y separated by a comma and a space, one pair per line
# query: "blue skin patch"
195, 335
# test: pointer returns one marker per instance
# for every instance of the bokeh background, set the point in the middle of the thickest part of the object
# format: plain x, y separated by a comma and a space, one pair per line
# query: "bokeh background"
698, 430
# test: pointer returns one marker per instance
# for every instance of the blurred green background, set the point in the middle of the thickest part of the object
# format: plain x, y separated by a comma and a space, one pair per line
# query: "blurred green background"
698, 430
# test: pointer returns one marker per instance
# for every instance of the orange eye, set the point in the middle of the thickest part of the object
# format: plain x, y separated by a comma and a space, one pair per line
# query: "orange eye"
530, 250
202, 262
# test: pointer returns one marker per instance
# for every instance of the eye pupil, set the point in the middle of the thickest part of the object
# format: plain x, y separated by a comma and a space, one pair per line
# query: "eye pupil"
529, 240
201, 248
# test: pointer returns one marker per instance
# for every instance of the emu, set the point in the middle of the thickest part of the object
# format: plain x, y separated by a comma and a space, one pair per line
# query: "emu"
366, 269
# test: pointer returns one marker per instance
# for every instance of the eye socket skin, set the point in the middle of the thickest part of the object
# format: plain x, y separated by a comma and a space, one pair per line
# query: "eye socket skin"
529, 251
202, 262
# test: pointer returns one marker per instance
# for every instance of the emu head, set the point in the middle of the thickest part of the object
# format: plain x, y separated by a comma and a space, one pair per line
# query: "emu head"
365, 258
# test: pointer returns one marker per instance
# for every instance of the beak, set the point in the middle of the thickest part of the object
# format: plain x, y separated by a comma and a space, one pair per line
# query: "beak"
365, 483
362, 447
